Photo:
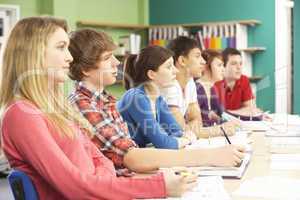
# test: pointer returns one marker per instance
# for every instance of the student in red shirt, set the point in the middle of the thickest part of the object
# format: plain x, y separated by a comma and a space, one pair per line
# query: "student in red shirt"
234, 91
45, 138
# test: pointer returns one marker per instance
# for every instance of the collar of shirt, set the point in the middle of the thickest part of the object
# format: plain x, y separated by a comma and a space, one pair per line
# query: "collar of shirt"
94, 95
236, 85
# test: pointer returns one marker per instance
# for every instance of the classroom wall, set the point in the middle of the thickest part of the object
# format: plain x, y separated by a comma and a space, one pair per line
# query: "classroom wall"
27, 7
193, 11
110, 11
296, 60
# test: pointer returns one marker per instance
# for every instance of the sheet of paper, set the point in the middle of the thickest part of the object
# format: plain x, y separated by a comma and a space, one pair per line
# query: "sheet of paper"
281, 118
270, 187
285, 145
255, 125
238, 139
285, 161
208, 188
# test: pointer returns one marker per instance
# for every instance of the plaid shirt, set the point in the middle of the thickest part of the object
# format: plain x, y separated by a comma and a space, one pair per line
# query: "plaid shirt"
111, 132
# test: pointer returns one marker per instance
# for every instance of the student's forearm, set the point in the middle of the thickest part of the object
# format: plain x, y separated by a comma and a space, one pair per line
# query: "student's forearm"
147, 159
206, 132
203, 132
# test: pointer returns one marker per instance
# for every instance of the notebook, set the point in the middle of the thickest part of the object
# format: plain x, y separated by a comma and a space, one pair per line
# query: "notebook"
232, 172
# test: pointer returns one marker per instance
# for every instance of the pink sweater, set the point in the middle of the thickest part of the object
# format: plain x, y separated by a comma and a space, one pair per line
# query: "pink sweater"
62, 168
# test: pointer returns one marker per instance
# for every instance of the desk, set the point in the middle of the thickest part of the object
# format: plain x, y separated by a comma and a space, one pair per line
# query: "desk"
259, 166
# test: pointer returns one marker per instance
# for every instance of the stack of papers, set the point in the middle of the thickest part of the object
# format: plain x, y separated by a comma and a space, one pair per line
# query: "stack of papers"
284, 131
270, 187
285, 119
255, 126
208, 188
285, 161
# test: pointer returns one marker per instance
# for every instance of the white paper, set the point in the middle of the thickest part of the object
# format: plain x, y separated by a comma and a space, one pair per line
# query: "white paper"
255, 126
270, 187
208, 188
285, 161
240, 138
281, 118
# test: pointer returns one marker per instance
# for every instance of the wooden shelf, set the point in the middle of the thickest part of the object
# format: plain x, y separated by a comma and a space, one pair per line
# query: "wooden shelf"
253, 49
110, 25
91, 23
243, 22
255, 79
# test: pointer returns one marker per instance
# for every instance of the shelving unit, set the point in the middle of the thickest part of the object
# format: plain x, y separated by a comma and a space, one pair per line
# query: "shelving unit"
253, 49
247, 52
90, 23
255, 79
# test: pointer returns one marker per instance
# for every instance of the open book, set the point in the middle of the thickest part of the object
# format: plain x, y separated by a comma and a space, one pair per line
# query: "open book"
233, 172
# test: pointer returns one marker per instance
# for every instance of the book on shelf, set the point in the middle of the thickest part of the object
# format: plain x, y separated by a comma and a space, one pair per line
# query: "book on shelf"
131, 43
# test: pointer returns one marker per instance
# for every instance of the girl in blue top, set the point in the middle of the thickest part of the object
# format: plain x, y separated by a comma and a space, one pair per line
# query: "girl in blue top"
146, 113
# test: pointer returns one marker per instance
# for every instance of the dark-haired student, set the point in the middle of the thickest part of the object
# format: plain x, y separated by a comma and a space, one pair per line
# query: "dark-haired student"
182, 96
234, 91
94, 67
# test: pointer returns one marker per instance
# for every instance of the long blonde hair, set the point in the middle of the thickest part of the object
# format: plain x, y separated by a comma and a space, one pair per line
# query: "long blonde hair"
25, 76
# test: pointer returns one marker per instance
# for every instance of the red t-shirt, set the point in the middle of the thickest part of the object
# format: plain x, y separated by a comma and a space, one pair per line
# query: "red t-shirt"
233, 99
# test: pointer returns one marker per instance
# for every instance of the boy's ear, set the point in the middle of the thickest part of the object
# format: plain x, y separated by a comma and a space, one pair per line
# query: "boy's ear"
151, 74
181, 61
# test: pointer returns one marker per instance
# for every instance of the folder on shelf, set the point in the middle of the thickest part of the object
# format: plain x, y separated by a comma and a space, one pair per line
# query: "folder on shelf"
241, 36
206, 37
218, 37
232, 39
201, 41
213, 39
224, 33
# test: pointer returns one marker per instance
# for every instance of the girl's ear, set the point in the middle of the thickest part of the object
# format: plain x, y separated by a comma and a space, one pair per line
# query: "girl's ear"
86, 73
151, 74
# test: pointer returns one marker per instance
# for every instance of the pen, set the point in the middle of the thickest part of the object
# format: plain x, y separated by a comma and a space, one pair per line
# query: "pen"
225, 135
183, 173
227, 138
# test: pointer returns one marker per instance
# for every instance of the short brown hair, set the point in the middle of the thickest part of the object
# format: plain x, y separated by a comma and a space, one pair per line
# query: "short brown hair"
209, 55
86, 47
229, 52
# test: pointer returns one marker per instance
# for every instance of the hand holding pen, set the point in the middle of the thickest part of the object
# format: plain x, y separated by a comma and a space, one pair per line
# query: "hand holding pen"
229, 142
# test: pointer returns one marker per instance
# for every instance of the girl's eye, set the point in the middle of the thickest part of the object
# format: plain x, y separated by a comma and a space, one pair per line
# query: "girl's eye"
61, 47
107, 58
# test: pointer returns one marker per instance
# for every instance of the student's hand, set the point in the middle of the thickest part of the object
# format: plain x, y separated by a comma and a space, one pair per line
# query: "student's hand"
176, 185
230, 128
182, 142
190, 136
227, 156
213, 116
